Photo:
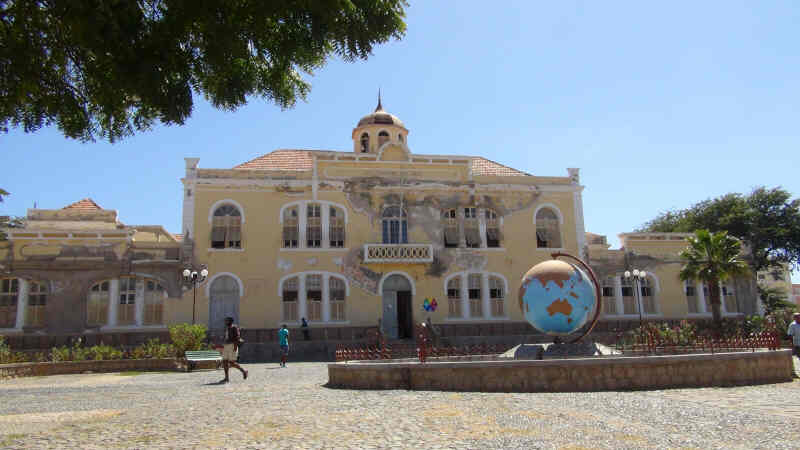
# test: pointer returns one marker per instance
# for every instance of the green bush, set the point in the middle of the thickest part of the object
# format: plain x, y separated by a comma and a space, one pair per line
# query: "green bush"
105, 352
58, 354
153, 348
7, 356
187, 337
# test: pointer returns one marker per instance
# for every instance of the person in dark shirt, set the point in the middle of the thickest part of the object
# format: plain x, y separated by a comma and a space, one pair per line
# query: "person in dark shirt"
230, 351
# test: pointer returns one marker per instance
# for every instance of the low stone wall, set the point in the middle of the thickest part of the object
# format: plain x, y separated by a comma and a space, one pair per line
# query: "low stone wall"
569, 375
69, 367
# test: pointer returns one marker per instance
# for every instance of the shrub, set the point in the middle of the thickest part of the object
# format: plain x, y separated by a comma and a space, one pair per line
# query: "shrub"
105, 352
153, 348
58, 354
7, 356
187, 337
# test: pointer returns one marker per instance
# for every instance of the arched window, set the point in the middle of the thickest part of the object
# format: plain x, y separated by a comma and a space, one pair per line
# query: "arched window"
314, 297
609, 298
336, 227
475, 295
290, 299
395, 225
548, 234
291, 228
313, 225
337, 292
450, 226
364, 143
691, 296
97, 304
496, 296
126, 311
36, 315
454, 297
154, 295
472, 233
383, 136
492, 229
226, 227
9, 293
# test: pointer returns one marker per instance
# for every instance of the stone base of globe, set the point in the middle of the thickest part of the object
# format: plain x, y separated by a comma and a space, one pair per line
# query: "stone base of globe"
559, 351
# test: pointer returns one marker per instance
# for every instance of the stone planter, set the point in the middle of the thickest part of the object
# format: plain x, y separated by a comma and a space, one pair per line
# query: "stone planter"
70, 367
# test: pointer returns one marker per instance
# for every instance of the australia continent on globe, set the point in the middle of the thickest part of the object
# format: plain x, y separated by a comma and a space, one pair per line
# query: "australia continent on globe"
556, 297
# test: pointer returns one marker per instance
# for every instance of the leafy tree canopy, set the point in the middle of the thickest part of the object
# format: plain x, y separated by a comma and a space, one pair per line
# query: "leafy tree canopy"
766, 220
109, 68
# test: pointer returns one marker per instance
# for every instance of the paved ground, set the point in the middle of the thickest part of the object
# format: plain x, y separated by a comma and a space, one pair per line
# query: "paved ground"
290, 408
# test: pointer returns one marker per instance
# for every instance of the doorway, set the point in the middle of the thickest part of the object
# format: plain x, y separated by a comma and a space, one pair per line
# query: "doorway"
224, 302
397, 321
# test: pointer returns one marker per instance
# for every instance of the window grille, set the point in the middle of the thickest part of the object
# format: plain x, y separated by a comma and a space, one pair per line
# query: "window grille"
336, 228
548, 234
337, 293
290, 298
496, 296
291, 228
313, 226
474, 295
36, 315
9, 292
454, 297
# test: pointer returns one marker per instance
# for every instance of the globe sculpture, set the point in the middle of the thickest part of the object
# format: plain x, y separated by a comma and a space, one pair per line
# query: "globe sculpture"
557, 297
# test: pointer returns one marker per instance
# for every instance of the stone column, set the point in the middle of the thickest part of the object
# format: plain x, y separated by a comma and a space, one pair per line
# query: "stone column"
326, 298
462, 238
482, 226
302, 219
464, 295
22, 302
326, 228
139, 302
701, 298
487, 308
301, 296
113, 302
618, 296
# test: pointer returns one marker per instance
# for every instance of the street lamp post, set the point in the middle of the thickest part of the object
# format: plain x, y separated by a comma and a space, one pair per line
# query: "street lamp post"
192, 278
637, 276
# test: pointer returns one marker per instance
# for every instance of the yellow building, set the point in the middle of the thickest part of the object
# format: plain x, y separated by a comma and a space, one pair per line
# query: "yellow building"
663, 295
350, 238
80, 270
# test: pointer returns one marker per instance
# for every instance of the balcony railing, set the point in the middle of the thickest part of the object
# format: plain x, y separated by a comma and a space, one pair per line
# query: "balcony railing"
398, 253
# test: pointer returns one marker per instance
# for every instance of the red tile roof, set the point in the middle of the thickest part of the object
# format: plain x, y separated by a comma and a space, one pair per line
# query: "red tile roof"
86, 204
301, 160
487, 167
297, 160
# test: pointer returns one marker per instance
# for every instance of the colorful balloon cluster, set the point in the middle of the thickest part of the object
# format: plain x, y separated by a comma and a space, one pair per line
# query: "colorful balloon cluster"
430, 304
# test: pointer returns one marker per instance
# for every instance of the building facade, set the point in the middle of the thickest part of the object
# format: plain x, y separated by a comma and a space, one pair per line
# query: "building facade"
374, 236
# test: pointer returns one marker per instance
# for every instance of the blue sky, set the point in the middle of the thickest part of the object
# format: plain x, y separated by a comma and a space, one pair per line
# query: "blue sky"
660, 105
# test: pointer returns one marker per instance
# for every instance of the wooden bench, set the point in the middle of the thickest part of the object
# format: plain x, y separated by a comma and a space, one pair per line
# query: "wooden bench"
193, 357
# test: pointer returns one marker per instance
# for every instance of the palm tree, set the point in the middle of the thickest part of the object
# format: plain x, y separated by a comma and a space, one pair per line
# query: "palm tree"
712, 258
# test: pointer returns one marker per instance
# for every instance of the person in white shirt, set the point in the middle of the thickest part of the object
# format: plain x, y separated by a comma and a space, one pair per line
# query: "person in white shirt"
794, 332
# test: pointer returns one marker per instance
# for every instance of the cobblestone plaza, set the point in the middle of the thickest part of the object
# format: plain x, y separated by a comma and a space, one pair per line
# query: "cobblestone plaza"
291, 408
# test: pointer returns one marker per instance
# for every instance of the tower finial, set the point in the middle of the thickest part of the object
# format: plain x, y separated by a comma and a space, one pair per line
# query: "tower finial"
380, 107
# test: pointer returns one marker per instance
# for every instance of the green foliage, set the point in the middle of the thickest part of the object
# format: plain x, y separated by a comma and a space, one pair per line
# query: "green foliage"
8, 356
112, 68
775, 298
712, 258
682, 334
767, 220
185, 337
153, 348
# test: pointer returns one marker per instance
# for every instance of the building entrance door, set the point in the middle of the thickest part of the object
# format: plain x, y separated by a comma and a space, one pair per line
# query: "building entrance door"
397, 317
224, 303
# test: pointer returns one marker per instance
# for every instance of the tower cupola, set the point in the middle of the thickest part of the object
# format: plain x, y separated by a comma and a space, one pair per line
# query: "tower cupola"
376, 129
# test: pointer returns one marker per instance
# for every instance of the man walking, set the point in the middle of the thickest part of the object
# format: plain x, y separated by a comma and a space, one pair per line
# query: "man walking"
283, 341
230, 351
794, 332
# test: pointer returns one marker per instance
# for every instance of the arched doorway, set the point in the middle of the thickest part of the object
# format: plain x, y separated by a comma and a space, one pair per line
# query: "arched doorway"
397, 321
223, 302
